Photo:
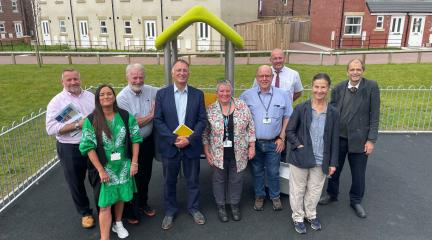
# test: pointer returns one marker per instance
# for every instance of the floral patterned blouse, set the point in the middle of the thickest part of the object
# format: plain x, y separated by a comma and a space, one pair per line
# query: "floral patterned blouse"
244, 132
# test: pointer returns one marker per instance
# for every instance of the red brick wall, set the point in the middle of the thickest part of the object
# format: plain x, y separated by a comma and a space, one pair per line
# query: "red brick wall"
8, 16
326, 17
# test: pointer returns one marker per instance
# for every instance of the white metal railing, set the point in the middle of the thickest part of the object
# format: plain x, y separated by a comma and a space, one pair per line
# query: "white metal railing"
27, 153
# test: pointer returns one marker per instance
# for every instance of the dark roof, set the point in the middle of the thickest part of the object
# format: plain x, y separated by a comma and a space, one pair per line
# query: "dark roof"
389, 6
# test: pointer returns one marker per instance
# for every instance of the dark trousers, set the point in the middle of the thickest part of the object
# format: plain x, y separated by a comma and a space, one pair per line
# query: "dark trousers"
357, 163
171, 169
75, 167
142, 178
227, 183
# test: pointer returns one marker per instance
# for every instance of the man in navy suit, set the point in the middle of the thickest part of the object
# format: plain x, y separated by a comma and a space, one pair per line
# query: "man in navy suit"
180, 104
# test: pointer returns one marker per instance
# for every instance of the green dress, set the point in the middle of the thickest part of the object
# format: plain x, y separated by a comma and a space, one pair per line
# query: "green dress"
121, 185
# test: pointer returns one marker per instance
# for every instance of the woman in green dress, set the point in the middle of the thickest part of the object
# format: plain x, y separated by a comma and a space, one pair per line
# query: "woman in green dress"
111, 140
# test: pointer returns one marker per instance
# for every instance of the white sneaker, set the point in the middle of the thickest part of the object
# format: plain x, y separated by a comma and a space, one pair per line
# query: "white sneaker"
120, 230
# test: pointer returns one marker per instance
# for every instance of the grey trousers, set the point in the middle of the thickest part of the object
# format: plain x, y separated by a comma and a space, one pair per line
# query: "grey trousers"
227, 184
305, 190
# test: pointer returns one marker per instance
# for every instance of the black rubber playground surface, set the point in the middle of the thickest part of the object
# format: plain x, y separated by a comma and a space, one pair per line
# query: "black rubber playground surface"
398, 201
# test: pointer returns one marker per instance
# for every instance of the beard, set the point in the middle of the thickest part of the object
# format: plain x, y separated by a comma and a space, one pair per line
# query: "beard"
74, 89
136, 88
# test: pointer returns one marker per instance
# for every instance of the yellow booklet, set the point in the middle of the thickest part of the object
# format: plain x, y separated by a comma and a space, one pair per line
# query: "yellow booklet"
183, 131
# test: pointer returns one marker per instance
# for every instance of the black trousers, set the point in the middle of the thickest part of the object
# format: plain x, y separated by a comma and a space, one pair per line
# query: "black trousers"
357, 163
142, 178
75, 167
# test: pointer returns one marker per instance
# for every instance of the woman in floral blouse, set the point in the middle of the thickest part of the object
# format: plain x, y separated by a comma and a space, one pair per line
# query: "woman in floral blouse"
110, 137
229, 142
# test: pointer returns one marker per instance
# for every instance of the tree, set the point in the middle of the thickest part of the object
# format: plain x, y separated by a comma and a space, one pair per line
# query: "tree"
36, 10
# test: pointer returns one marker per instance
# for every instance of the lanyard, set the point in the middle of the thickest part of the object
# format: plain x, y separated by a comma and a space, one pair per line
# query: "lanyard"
226, 118
268, 106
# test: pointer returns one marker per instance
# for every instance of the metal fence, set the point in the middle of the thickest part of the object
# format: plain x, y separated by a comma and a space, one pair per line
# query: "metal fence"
27, 153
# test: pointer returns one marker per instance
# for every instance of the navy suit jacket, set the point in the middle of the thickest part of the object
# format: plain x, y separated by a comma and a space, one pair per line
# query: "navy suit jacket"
363, 118
166, 121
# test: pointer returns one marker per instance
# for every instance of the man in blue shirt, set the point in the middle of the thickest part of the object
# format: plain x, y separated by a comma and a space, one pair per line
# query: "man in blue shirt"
270, 108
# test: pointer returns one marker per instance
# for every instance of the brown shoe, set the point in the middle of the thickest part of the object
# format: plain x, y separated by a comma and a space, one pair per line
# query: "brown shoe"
148, 211
259, 204
87, 221
277, 204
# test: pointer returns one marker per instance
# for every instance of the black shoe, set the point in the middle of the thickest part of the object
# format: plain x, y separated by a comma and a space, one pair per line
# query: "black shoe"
359, 210
235, 210
326, 199
222, 214
167, 222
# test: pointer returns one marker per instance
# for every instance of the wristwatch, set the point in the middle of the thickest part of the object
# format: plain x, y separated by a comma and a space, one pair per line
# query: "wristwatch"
77, 126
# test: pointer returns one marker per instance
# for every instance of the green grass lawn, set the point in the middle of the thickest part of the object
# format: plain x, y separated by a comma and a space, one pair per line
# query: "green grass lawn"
26, 88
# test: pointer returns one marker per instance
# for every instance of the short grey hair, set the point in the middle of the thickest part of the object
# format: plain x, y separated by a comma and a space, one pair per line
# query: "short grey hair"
137, 66
70, 70
225, 83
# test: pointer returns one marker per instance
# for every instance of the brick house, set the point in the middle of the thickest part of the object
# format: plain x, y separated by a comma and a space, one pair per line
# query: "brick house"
272, 8
371, 23
16, 19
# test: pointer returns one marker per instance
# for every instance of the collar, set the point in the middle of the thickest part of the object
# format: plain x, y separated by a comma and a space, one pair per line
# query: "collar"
356, 86
73, 95
269, 92
177, 90
274, 70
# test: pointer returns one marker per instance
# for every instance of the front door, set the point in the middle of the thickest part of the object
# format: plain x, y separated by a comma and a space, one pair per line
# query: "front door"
150, 34
396, 31
416, 31
18, 30
203, 41
84, 37
46, 37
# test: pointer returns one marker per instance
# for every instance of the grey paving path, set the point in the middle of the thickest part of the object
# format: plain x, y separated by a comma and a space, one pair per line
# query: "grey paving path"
398, 200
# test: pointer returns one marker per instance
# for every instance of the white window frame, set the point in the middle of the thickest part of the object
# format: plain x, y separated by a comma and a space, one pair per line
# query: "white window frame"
285, 2
2, 27
14, 5
62, 27
103, 28
18, 26
359, 25
379, 21
126, 28
1, 6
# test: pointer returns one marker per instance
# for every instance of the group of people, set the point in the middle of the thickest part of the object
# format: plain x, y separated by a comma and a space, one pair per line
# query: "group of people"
116, 139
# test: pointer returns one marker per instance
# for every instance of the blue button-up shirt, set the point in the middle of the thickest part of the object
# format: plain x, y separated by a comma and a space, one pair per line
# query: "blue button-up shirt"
279, 105
316, 132
181, 98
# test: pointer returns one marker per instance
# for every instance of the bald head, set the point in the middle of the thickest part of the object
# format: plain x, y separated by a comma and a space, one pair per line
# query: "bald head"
277, 58
264, 76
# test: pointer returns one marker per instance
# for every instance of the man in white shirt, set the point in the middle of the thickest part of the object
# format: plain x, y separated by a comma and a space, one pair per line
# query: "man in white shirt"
284, 77
139, 100
68, 136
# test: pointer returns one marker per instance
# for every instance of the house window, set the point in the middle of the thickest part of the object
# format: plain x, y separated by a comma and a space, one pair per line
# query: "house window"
353, 25
285, 2
14, 6
127, 27
103, 27
2, 28
380, 22
62, 26
1, 7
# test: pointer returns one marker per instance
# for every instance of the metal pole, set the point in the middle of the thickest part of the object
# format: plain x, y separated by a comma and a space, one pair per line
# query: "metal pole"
229, 62
174, 55
167, 62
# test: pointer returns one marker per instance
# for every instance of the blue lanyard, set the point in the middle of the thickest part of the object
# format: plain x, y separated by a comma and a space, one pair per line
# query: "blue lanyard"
226, 118
268, 106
